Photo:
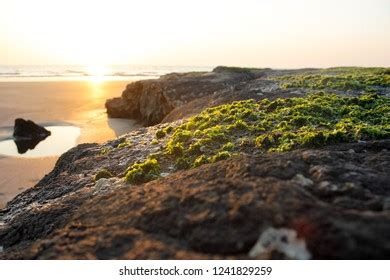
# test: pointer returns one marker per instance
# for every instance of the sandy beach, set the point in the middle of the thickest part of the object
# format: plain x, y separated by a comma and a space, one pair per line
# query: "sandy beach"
77, 103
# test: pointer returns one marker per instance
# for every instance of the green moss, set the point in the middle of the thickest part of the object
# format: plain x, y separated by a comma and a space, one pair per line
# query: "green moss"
154, 155
104, 173
245, 142
175, 149
229, 146
274, 126
105, 150
181, 135
154, 142
125, 144
221, 156
168, 129
242, 70
182, 163
200, 161
348, 78
160, 133
281, 125
143, 172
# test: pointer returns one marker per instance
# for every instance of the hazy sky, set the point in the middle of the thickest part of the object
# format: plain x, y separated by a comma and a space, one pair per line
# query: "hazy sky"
273, 33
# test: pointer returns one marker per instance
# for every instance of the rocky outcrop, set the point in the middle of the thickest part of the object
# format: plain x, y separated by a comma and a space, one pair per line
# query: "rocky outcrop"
175, 96
118, 108
149, 101
331, 203
29, 130
23, 145
28, 134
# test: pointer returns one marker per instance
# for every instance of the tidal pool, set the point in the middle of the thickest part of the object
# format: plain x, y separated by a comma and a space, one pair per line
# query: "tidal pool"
62, 138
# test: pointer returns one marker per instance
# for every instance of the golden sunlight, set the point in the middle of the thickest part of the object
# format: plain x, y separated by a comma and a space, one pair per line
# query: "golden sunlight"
96, 73
245, 33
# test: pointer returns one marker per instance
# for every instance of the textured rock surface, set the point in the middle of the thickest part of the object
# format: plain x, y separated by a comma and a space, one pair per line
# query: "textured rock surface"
328, 203
29, 130
175, 96
28, 134
149, 101
334, 199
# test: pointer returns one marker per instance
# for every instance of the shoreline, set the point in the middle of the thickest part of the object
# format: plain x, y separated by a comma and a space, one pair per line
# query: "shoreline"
79, 103
267, 162
74, 103
76, 79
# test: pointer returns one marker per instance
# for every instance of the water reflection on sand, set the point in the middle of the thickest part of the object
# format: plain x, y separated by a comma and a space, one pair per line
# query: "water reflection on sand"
62, 138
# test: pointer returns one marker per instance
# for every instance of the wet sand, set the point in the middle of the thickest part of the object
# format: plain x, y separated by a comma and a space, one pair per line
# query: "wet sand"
17, 175
79, 103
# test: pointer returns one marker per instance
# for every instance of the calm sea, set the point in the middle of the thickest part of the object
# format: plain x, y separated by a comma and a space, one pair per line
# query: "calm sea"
74, 112
80, 72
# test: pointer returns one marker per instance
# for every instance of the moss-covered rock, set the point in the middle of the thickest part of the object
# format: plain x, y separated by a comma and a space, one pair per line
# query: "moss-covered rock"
143, 172
125, 144
103, 173
160, 133
343, 78
273, 126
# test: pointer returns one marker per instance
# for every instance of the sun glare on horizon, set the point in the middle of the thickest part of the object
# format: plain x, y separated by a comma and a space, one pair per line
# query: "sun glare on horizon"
97, 73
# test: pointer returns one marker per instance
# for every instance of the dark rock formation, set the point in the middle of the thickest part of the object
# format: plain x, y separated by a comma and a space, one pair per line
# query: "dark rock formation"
28, 134
175, 96
149, 101
23, 145
118, 108
325, 203
335, 199
29, 130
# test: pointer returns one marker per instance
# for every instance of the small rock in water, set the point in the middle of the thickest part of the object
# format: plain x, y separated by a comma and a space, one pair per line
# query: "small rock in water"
28, 134
29, 130
282, 240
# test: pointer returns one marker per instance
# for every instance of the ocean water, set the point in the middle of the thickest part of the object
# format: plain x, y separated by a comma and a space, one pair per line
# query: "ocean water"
80, 72
69, 101
62, 138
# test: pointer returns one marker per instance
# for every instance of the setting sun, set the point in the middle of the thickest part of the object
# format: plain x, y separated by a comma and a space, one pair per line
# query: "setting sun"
96, 73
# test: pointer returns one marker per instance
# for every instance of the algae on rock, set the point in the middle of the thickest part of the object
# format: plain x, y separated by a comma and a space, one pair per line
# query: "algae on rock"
280, 125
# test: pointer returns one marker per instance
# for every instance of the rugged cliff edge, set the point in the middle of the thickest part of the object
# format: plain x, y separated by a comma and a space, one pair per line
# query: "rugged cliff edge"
295, 178
180, 95
150, 101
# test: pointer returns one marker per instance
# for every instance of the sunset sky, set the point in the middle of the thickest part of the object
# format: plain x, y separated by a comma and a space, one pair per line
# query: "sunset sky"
277, 33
